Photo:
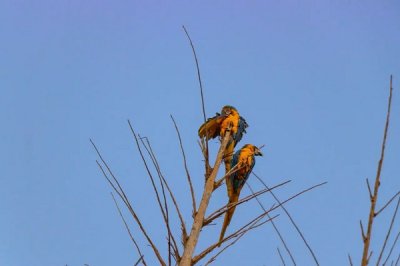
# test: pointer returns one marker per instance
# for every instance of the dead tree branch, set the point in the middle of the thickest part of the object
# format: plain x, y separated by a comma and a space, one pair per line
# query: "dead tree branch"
372, 214
186, 167
129, 232
280, 256
291, 219
206, 157
199, 218
350, 260
125, 199
388, 232
162, 209
170, 238
391, 249
252, 223
225, 208
277, 232
388, 203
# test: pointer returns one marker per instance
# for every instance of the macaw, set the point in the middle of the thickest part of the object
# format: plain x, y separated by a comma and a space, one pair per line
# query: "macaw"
217, 125
244, 160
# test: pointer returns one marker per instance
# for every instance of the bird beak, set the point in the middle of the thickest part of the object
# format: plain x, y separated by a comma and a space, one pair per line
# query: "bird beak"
258, 153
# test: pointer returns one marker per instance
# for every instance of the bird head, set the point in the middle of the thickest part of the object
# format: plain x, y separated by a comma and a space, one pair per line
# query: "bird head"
254, 149
227, 110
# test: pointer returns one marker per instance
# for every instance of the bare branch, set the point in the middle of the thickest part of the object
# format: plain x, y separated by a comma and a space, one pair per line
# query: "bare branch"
254, 223
139, 260
166, 214
280, 256
198, 72
199, 217
365, 258
125, 199
369, 188
391, 249
276, 230
350, 261
183, 226
207, 164
387, 204
129, 232
362, 231
388, 232
233, 170
225, 208
397, 261
162, 210
186, 168
291, 219
238, 237
251, 223
370, 255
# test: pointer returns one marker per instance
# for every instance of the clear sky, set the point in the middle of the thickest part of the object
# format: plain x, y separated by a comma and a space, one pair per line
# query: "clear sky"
310, 77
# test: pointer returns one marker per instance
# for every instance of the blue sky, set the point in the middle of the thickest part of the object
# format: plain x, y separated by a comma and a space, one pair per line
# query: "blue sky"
310, 77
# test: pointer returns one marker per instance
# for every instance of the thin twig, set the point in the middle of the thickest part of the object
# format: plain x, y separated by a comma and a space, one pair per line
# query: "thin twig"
233, 170
213, 258
397, 261
129, 231
225, 208
365, 259
362, 231
254, 223
369, 188
183, 226
166, 217
212, 247
186, 167
276, 230
237, 238
350, 261
387, 204
125, 199
139, 260
162, 208
291, 220
207, 164
198, 72
391, 249
280, 256
388, 232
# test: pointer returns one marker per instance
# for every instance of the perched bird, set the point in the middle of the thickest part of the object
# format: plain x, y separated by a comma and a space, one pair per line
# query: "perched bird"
217, 125
244, 160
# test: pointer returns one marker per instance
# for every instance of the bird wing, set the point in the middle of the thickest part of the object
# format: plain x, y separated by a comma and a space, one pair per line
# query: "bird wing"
235, 176
242, 125
212, 127
238, 179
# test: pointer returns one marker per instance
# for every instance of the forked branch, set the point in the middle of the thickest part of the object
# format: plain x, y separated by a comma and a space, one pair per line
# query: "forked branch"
372, 214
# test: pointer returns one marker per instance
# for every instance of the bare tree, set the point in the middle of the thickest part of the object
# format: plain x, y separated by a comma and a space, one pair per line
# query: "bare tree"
183, 252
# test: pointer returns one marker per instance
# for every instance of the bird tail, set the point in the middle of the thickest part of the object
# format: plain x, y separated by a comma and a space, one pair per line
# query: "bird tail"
228, 217
228, 154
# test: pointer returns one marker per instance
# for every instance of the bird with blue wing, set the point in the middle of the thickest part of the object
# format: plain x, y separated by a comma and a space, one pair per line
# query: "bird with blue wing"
242, 164
216, 127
